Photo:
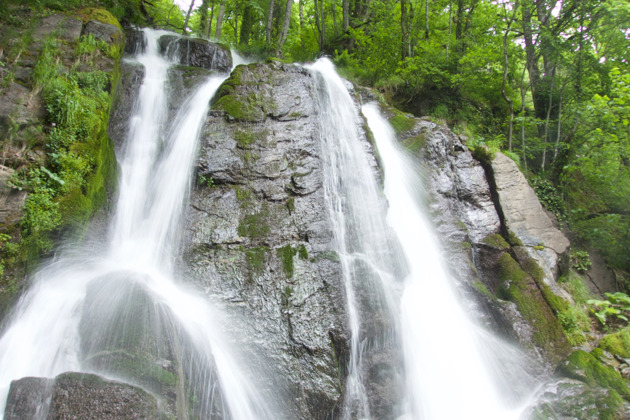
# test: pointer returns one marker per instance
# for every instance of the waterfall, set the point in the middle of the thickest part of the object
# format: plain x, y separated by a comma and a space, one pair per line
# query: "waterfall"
394, 273
448, 376
107, 305
362, 238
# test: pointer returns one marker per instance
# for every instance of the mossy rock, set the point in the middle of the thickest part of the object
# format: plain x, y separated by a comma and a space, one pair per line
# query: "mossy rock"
99, 15
589, 369
520, 288
617, 343
496, 241
255, 258
400, 122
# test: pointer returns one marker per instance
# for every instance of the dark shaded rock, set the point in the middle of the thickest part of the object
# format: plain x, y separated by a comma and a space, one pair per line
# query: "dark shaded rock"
29, 398
124, 100
106, 32
78, 396
260, 239
195, 52
134, 41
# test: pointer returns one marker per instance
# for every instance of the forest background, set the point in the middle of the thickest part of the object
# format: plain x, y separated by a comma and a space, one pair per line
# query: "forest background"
545, 81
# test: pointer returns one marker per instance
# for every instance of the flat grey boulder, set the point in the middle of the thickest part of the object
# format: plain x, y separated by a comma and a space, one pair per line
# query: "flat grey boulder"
528, 220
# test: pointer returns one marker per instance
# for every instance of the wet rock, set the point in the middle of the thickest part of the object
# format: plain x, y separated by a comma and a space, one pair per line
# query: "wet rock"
134, 41
195, 52
125, 97
566, 399
258, 237
79, 396
29, 398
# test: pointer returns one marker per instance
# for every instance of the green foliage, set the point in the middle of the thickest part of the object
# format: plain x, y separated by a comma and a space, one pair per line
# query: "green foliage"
580, 261
617, 305
203, 180
549, 197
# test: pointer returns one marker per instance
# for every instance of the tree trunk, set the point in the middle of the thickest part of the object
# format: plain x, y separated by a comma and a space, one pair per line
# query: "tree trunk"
450, 27
302, 24
506, 67
285, 26
209, 22
217, 33
192, 4
333, 10
203, 18
346, 16
403, 30
426, 20
246, 25
269, 22
548, 117
523, 92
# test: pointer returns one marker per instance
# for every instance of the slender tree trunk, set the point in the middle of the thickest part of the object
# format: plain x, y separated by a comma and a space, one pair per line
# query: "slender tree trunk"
246, 25
203, 18
285, 26
450, 27
190, 8
346, 16
546, 133
333, 10
426, 20
318, 25
557, 145
506, 67
269, 22
217, 33
403, 30
523, 92
302, 24
209, 22
322, 21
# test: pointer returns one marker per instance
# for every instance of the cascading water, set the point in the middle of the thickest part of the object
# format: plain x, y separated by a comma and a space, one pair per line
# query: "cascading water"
394, 273
362, 238
448, 376
95, 314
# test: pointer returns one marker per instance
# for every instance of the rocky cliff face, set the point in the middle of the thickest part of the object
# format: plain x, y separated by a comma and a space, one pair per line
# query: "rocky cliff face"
257, 233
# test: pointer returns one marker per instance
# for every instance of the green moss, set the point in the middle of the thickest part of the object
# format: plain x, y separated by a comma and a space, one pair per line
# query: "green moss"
302, 252
255, 258
401, 122
254, 226
286, 254
496, 241
328, 255
587, 368
617, 343
415, 144
513, 239
244, 196
520, 288
539, 247
100, 15
290, 205
244, 139
481, 288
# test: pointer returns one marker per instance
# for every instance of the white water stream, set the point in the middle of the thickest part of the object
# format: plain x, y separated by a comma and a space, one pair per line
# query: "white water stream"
46, 335
393, 270
448, 376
